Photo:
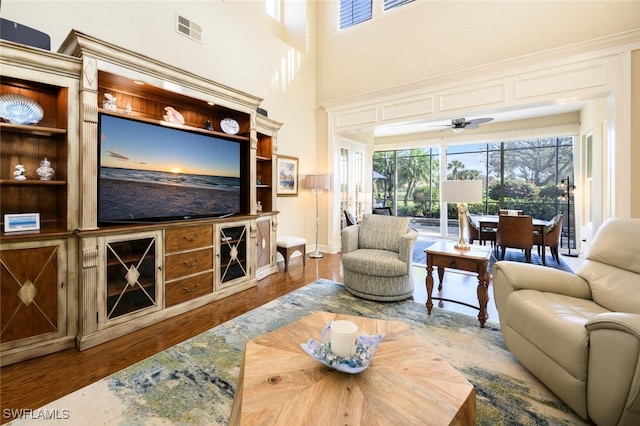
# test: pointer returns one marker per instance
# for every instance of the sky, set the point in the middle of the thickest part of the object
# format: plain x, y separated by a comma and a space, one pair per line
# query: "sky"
137, 145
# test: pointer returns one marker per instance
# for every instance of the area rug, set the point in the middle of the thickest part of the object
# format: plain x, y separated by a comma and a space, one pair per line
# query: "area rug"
193, 383
419, 256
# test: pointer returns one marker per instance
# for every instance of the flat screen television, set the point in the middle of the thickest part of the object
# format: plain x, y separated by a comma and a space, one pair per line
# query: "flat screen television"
149, 172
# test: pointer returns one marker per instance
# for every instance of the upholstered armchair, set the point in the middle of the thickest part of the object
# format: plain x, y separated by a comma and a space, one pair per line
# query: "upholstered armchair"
376, 258
580, 333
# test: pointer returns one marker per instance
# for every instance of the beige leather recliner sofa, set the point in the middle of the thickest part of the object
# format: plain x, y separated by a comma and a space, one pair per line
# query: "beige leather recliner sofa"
580, 333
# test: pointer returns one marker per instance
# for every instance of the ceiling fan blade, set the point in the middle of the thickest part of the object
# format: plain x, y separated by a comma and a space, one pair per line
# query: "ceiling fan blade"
440, 125
478, 121
470, 126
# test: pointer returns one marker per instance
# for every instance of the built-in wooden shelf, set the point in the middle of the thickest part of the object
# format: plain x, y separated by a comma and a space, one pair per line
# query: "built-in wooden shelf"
31, 182
239, 137
32, 130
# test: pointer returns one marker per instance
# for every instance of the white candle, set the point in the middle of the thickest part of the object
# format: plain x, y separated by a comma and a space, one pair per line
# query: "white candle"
344, 338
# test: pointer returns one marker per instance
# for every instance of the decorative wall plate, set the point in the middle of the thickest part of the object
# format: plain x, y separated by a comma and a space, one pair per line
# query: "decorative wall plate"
18, 109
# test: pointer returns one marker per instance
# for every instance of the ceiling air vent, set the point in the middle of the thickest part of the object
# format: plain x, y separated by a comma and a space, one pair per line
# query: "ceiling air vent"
189, 29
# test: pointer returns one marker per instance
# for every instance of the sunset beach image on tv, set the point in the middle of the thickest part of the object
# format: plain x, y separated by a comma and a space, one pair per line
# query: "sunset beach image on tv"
150, 172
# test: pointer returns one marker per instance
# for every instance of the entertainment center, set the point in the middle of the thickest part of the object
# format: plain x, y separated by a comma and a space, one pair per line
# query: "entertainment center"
162, 200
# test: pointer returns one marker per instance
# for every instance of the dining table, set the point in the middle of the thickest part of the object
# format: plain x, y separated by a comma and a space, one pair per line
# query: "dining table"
491, 222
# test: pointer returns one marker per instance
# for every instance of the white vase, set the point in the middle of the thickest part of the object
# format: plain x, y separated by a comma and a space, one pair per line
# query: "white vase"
45, 171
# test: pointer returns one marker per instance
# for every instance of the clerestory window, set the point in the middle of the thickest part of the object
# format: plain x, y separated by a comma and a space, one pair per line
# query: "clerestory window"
390, 4
353, 12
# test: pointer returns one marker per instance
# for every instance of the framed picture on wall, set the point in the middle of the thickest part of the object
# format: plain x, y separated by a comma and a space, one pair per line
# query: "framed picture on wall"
287, 183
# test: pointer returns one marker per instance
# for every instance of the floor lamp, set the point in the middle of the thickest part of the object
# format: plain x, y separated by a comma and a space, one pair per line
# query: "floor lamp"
567, 190
461, 192
317, 183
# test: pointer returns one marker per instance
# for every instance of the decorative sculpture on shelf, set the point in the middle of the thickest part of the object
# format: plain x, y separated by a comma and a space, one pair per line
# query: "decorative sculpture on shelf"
19, 174
109, 102
45, 171
173, 116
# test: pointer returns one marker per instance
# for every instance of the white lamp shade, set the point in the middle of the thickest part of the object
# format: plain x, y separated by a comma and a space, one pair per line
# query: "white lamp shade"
317, 182
461, 191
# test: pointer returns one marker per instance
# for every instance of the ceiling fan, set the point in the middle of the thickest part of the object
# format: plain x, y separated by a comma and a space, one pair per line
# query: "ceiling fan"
459, 124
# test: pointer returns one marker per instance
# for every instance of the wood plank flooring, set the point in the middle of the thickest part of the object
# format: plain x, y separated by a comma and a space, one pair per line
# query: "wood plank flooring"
34, 383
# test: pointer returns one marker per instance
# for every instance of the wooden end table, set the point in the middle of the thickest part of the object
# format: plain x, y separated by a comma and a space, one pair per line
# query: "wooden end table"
405, 384
443, 254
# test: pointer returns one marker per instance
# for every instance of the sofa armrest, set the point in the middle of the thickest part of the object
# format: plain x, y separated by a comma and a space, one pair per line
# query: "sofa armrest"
406, 246
535, 277
622, 321
614, 366
513, 276
350, 238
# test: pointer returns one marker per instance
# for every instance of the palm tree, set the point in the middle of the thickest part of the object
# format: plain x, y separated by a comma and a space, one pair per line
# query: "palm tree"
456, 166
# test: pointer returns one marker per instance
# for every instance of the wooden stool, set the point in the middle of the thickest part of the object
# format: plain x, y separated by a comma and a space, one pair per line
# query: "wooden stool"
288, 245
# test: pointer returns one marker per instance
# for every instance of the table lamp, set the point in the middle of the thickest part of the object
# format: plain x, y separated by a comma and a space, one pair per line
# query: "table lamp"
317, 183
461, 192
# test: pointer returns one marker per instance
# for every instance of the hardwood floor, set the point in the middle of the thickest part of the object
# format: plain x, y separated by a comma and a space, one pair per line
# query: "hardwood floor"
34, 383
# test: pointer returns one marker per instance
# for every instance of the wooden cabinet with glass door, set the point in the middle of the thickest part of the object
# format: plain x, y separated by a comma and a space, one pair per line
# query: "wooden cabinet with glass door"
233, 254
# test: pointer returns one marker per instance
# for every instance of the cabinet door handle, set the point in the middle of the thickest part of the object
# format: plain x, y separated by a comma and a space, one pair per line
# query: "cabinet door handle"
192, 289
191, 264
188, 238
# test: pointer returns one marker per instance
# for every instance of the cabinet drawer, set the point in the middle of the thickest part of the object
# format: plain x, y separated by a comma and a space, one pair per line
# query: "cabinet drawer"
460, 263
187, 263
189, 237
188, 288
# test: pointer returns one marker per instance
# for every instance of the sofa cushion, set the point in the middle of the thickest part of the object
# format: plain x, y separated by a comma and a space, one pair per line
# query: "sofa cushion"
373, 262
615, 289
612, 266
382, 232
555, 325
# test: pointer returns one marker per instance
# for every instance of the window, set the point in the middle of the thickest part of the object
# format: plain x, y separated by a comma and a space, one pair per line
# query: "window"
353, 12
273, 8
517, 174
390, 4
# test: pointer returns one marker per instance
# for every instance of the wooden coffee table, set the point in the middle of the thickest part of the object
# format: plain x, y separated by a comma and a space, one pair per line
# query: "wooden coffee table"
443, 254
406, 382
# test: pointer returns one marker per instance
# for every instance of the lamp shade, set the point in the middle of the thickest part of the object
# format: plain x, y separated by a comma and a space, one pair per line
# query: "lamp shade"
317, 181
461, 191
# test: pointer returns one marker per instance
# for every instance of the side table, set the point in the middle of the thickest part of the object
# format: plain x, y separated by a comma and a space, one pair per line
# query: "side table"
443, 254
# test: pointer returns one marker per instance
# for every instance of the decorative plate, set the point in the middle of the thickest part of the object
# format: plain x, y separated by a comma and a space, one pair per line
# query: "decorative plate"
321, 351
18, 109
230, 126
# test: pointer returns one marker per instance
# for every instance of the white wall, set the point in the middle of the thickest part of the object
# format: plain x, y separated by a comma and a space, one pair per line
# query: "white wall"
425, 39
241, 48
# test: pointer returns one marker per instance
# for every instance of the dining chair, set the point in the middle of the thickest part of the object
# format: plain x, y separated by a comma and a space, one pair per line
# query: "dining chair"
552, 234
481, 232
348, 216
515, 232
382, 210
